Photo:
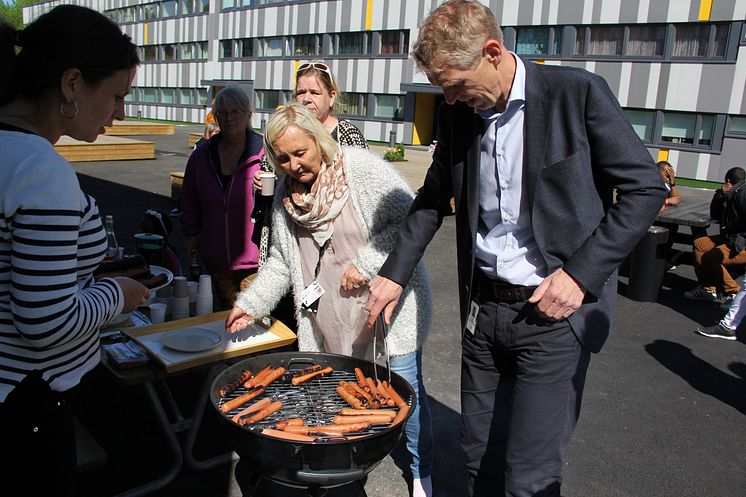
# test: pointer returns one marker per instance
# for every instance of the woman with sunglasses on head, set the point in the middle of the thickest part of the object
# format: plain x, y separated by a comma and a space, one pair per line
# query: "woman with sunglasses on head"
66, 73
335, 216
217, 197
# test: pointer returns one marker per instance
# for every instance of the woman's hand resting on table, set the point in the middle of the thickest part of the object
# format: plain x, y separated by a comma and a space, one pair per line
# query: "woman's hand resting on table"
237, 320
352, 279
134, 293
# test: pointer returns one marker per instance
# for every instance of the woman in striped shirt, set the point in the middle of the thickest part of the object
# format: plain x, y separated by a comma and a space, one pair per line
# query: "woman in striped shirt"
70, 77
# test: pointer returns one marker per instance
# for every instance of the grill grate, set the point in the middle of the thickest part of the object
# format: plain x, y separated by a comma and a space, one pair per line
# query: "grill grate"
316, 401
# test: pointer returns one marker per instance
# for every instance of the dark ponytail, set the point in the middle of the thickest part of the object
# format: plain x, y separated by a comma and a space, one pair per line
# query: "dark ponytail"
65, 37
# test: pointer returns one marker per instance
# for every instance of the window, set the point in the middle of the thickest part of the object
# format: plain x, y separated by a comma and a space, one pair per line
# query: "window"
532, 41
168, 8
706, 127
113, 15
646, 41
130, 97
202, 50
688, 129
187, 51
267, 99
700, 40
169, 52
605, 40
186, 7
272, 47
150, 53
737, 125
149, 95
201, 96
202, 6
305, 45
352, 44
643, 123
226, 49
247, 47
353, 104
168, 95
150, 11
394, 42
186, 97
128, 14
228, 4
389, 107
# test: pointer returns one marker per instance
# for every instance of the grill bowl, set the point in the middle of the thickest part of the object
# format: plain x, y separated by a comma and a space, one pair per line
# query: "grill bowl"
328, 463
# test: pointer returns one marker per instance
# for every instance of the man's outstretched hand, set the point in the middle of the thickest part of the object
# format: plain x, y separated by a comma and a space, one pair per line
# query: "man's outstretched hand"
384, 297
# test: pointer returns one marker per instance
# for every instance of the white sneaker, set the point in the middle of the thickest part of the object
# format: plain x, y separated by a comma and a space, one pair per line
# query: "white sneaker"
700, 293
422, 487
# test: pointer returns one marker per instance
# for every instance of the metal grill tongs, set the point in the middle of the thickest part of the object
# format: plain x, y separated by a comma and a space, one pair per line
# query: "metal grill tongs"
382, 328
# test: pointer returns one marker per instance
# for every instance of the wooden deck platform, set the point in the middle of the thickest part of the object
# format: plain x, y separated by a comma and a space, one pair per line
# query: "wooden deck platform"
104, 148
135, 128
194, 138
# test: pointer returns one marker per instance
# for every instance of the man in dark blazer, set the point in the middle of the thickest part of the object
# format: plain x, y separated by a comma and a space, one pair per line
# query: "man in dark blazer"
532, 156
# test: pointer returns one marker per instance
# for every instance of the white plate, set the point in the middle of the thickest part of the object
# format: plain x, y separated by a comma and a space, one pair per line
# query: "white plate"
192, 340
157, 271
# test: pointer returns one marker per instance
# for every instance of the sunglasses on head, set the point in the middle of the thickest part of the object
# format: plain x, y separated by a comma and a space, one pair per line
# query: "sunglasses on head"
319, 66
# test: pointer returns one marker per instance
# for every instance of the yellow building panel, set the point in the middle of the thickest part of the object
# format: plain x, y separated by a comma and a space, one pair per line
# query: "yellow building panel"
368, 15
663, 154
705, 10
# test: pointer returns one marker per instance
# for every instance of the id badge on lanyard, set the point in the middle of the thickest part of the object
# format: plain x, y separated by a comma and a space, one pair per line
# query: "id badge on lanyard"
312, 293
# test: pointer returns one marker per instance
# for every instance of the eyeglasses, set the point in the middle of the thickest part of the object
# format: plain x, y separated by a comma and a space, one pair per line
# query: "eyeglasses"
319, 66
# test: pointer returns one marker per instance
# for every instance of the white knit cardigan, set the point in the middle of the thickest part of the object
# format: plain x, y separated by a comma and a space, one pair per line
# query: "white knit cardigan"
381, 199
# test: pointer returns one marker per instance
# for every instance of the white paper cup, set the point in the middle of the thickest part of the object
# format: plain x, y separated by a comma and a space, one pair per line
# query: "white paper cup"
204, 305
268, 184
179, 307
179, 285
205, 285
157, 313
192, 291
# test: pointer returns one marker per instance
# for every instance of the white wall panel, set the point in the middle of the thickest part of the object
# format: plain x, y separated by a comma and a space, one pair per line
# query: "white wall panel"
651, 92
553, 11
739, 83
610, 11
703, 163
683, 87
624, 77
587, 14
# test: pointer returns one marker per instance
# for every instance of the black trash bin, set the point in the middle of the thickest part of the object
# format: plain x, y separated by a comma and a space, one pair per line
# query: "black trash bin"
647, 265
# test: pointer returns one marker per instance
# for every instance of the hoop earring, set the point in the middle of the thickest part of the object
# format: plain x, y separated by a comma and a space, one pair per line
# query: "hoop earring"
68, 116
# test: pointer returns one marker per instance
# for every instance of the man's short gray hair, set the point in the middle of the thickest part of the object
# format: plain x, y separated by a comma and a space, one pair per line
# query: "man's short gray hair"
452, 36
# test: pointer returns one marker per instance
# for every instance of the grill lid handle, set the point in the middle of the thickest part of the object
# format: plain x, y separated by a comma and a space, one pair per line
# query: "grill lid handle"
329, 478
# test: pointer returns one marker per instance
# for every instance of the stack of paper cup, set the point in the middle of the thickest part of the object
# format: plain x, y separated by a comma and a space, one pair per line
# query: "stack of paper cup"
180, 298
192, 292
204, 295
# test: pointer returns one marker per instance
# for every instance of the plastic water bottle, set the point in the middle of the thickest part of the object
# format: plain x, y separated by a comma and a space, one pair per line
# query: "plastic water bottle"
112, 247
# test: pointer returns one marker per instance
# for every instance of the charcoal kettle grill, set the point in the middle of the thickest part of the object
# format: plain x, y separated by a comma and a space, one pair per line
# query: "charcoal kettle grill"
330, 461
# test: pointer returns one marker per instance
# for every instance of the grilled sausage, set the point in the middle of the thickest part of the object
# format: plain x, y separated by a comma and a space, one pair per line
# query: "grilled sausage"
395, 396
297, 380
374, 391
295, 437
376, 419
382, 389
346, 411
331, 430
403, 410
267, 411
358, 392
349, 398
241, 399
360, 378
254, 380
289, 422
271, 376
230, 387
261, 404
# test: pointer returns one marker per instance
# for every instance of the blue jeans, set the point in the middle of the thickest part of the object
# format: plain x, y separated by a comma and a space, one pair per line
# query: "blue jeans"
419, 430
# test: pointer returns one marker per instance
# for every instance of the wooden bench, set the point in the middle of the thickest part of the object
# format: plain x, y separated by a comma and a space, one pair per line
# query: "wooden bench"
90, 454
177, 180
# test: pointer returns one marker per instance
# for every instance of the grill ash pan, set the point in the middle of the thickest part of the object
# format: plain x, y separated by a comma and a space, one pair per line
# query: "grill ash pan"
327, 463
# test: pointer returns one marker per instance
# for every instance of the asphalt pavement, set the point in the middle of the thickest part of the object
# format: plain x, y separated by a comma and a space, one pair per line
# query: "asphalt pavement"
663, 412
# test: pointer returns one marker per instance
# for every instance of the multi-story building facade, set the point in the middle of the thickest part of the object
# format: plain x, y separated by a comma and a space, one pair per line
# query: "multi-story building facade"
678, 67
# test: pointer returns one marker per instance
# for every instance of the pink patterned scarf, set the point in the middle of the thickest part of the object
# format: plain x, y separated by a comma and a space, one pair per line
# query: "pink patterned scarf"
316, 207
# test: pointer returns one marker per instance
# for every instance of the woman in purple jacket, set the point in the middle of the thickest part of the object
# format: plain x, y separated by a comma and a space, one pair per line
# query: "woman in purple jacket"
217, 196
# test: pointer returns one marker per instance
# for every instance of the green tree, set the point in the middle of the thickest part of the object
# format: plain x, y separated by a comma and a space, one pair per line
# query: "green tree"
12, 11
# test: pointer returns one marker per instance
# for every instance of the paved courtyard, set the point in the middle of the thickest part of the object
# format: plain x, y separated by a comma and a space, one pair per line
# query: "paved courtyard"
664, 409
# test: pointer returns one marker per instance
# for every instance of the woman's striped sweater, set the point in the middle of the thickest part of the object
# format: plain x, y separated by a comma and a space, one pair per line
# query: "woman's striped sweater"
51, 240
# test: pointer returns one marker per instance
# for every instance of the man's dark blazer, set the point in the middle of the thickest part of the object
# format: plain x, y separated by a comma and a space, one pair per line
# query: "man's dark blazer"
578, 149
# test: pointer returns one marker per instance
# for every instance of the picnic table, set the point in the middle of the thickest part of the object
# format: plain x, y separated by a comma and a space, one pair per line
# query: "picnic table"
694, 210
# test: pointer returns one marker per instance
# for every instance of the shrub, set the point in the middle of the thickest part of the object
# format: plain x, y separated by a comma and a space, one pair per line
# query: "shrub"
394, 154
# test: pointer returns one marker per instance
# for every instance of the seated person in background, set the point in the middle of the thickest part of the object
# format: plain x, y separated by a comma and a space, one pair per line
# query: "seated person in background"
673, 199
726, 327
669, 178
158, 223
714, 254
